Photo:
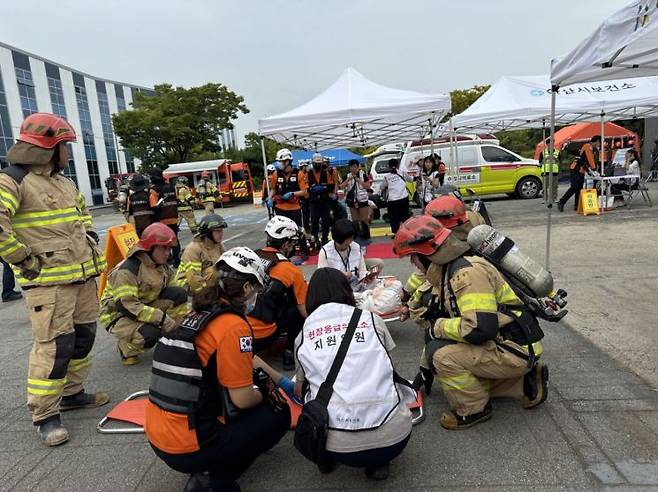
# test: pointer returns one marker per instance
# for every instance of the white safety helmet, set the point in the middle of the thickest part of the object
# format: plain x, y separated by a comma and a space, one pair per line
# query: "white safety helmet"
282, 228
317, 158
283, 155
271, 168
244, 260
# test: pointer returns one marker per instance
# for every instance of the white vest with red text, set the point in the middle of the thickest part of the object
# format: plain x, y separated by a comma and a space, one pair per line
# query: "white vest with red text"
365, 395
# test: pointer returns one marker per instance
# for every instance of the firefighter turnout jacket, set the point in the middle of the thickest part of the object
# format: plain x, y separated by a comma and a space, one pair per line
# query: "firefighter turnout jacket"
471, 304
196, 270
44, 216
184, 197
132, 287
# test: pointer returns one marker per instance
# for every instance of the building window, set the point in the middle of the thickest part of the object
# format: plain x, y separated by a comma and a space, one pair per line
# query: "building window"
57, 97
6, 138
26, 91
88, 138
69, 171
106, 123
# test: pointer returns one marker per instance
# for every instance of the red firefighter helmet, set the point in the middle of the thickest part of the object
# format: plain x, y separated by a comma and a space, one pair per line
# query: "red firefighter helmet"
422, 235
157, 234
447, 209
46, 130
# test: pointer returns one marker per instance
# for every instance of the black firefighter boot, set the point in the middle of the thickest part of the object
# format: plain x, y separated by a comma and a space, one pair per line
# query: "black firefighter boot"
83, 400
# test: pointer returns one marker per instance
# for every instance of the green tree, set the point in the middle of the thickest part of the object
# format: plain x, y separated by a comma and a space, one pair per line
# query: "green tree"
461, 99
177, 124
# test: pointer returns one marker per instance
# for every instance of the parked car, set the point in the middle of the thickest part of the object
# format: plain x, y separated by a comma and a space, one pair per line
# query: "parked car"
481, 165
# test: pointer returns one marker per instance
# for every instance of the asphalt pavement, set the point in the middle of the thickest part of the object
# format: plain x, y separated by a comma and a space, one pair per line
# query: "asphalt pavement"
597, 431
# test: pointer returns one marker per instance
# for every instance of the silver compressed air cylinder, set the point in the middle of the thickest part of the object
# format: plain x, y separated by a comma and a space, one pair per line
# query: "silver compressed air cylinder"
502, 252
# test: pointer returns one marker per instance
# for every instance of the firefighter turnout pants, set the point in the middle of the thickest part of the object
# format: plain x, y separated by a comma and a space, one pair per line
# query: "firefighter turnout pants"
188, 215
63, 321
471, 374
135, 336
209, 207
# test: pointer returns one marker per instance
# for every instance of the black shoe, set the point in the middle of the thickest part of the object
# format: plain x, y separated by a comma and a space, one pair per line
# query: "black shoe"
424, 378
327, 468
378, 472
560, 206
198, 482
288, 360
451, 421
83, 400
12, 296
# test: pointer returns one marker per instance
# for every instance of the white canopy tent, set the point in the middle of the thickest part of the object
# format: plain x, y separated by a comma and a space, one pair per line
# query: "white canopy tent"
625, 45
525, 102
515, 103
356, 112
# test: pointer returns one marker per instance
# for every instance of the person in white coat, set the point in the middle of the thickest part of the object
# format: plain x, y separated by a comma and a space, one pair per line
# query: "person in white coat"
369, 421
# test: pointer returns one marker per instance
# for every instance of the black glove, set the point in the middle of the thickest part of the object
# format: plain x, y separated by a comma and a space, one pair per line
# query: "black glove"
94, 236
30, 267
271, 396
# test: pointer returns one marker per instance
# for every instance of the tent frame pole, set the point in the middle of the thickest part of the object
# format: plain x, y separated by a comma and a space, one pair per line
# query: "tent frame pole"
265, 177
602, 152
549, 201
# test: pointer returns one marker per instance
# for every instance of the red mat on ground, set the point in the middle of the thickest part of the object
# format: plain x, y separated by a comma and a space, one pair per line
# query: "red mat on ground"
132, 411
375, 250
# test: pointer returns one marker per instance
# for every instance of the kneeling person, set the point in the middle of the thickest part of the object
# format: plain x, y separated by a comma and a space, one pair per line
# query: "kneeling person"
479, 344
139, 302
213, 407
196, 269
281, 306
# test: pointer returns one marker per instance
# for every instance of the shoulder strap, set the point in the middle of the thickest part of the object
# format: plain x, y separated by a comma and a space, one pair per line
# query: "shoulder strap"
327, 388
15, 172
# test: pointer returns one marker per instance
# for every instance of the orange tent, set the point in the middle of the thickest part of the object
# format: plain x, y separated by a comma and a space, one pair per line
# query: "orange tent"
582, 132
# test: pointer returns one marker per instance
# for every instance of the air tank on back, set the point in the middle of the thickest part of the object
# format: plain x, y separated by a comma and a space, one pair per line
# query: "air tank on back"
501, 251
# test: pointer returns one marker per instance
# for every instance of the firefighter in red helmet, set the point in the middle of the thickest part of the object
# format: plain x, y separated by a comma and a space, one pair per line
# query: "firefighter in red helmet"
141, 301
47, 234
476, 344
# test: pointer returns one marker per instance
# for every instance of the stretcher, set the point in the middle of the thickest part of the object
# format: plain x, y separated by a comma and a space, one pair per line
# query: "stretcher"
131, 411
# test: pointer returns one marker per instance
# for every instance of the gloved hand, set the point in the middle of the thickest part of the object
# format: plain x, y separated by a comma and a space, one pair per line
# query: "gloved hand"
287, 385
318, 188
287, 196
168, 324
333, 196
30, 267
297, 260
92, 235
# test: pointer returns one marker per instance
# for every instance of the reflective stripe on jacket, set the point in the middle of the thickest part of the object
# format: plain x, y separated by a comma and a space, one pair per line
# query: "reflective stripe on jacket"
546, 161
196, 270
44, 215
479, 289
132, 286
185, 198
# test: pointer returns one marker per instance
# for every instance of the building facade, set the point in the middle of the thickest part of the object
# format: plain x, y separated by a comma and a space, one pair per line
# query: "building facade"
30, 84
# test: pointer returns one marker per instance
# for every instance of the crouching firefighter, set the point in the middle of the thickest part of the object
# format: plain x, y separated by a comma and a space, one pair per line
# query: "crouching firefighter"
281, 307
47, 235
197, 268
480, 341
213, 407
140, 302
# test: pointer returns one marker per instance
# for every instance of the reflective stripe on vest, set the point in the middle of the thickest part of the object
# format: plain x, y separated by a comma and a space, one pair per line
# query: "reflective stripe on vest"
177, 382
546, 161
362, 399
